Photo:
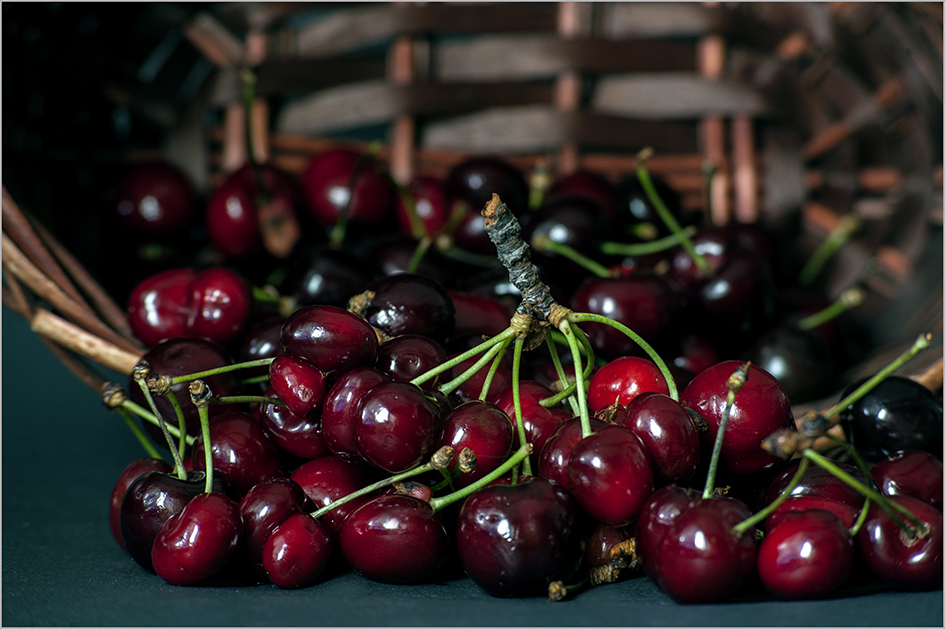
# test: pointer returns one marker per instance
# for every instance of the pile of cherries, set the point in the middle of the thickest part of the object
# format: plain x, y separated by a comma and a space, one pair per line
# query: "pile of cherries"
335, 388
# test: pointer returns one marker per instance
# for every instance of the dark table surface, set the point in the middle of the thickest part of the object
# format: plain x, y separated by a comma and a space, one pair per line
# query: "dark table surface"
63, 451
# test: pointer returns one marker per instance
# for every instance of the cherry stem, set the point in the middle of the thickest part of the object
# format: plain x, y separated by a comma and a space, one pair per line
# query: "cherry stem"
200, 395
255, 380
337, 237
644, 248
262, 362
139, 434
568, 391
520, 455
417, 227
452, 362
846, 226
538, 184
565, 328
562, 378
666, 216
456, 382
496, 362
735, 382
850, 298
544, 243
423, 245
580, 317
181, 422
178, 463
248, 78
885, 504
517, 399
860, 519
151, 419
751, 521
246, 399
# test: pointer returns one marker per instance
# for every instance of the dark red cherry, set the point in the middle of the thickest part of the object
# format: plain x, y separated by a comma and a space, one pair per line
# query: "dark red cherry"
472, 388
407, 356
637, 220
611, 475
394, 253
623, 379
902, 558
644, 302
155, 198
659, 511
394, 539
299, 435
761, 407
327, 183
263, 508
329, 478
799, 359
340, 411
539, 422
553, 461
912, 473
129, 475
819, 482
478, 314
588, 184
149, 502
262, 340
321, 275
793, 504
242, 453
809, 554
298, 383
213, 304
407, 303
573, 221
898, 414
701, 559
297, 552
195, 543
330, 338
426, 192
602, 541
695, 355
483, 428
514, 540
667, 431
398, 427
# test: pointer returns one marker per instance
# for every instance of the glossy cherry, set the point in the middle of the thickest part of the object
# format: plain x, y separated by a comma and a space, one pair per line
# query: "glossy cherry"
912, 473
793, 504
553, 461
589, 184
340, 412
799, 359
398, 426
483, 428
819, 482
129, 475
330, 338
155, 198
299, 435
407, 356
623, 379
667, 431
263, 508
539, 422
659, 511
407, 303
242, 454
298, 383
297, 552
327, 183
329, 478
573, 221
324, 276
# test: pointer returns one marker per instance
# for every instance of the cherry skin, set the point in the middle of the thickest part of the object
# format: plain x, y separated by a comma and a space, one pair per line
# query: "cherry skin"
299, 435
623, 379
398, 427
262, 340
478, 314
155, 198
761, 407
799, 359
902, 559
263, 508
659, 511
553, 461
196, 543
912, 473
573, 221
667, 431
483, 428
327, 183
330, 338
213, 304
701, 559
514, 540
297, 552
611, 475
329, 478
340, 411
637, 220
809, 554
394, 539
407, 356
242, 454
793, 504
600, 545
298, 383
538, 421
129, 475
407, 303
324, 276
429, 202
589, 184
819, 482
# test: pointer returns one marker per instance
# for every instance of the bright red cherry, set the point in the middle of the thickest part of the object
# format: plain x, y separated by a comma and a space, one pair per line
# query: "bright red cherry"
399, 426
329, 478
792, 504
621, 380
297, 552
659, 511
155, 198
242, 454
263, 508
330, 338
667, 431
298, 383
331, 186
553, 461
483, 428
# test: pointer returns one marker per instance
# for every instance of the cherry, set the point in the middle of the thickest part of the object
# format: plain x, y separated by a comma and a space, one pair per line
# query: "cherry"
701, 559
588, 184
242, 454
902, 558
213, 304
611, 475
196, 543
809, 554
155, 198
695, 355
573, 221
394, 539
819, 482
429, 204
329, 478
539, 422
324, 276
264, 507
471, 388
602, 542
793, 504
637, 220
297, 552
327, 183
149, 502
898, 414
644, 302
407, 356
760, 408
912, 473
299, 435
298, 383
623, 379
483, 428
478, 314
395, 252
398, 426
129, 475
407, 303
330, 338
659, 511
262, 340
340, 411
514, 540
799, 359
553, 461
667, 431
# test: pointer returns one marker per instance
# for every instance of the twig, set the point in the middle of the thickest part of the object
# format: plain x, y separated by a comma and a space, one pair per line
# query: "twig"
81, 342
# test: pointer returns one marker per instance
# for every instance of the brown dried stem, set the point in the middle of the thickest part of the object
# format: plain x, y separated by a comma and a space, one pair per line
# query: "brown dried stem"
81, 342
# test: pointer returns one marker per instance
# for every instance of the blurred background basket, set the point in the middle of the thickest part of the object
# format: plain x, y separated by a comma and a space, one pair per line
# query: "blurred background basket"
810, 112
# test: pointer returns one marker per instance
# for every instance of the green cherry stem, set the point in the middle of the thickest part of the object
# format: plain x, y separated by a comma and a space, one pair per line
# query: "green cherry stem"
751, 521
262, 362
860, 519
140, 373
846, 227
644, 248
562, 378
456, 382
850, 298
520, 455
149, 417
566, 329
200, 395
181, 422
139, 434
246, 399
496, 362
337, 236
735, 383
517, 399
580, 317
544, 243
452, 362
423, 245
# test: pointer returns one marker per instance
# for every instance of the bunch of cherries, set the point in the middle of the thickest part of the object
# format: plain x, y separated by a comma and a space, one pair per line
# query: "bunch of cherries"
413, 397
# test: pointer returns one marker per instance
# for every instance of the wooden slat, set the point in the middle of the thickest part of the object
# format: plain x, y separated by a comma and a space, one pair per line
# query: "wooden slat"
670, 96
